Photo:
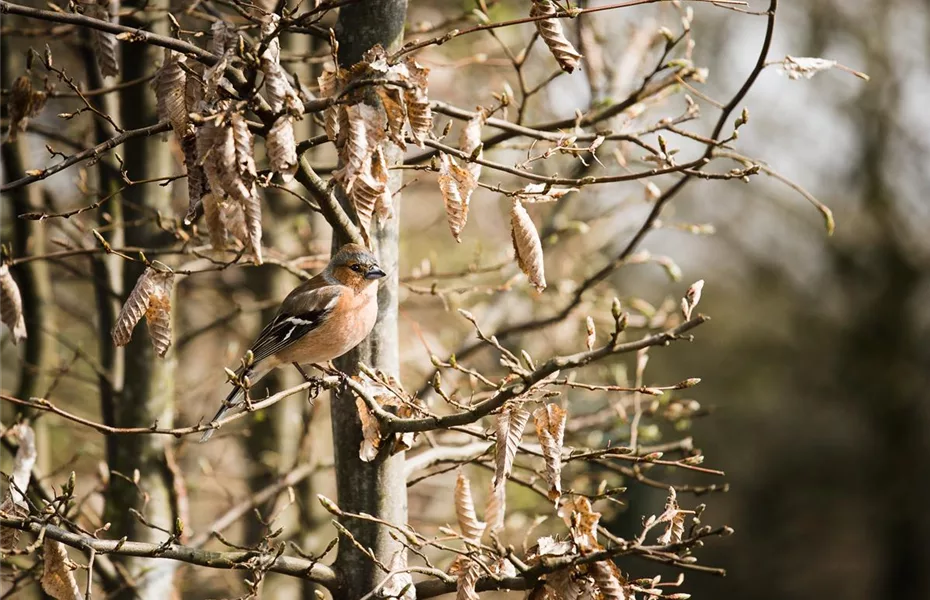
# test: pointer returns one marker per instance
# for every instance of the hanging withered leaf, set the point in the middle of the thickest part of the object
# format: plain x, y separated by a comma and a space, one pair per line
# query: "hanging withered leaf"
224, 38
282, 147
527, 245
151, 297
197, 185
496, 507
536, 193
467, 573
278, 90
392, 100
329, 88
550, 30
674, 518
419, 114
364, 132
24, 103
509, 431
104, 43
193, 85
371, 432
550, 430
470, 142
609, 580
456, 185
232, 162
469, 525
11, 305
577, 513
58, 572
170, 94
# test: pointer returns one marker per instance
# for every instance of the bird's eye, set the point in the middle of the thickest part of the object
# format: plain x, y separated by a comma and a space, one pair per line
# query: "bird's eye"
356, 267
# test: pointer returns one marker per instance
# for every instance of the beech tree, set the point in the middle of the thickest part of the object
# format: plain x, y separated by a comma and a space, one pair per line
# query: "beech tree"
212, 128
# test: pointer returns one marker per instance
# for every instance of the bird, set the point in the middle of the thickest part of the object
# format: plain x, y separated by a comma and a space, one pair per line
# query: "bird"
321, 319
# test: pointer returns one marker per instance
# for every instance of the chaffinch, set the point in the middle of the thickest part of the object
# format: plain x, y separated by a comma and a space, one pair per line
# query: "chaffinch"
321, 319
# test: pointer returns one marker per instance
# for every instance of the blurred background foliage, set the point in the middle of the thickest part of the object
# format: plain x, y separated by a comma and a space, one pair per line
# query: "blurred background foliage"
815, 369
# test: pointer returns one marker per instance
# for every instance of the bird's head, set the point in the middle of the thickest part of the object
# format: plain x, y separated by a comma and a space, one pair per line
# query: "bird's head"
354, 266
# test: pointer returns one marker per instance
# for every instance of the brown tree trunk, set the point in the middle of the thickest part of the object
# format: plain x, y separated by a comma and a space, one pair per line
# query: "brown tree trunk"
148, 390
378, 487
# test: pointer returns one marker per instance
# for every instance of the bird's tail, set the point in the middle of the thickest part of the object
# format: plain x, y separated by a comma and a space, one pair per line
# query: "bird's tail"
233, 400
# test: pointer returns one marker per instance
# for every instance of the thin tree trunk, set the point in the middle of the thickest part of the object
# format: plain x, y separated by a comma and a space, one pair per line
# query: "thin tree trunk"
148, 390
378, 487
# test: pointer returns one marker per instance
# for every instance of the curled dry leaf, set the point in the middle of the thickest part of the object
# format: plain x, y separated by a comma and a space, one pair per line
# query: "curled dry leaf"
674, 518
470, 142
216, 224
542, 192
371, 432
193, 85
24, 103
151, 297
11, 305
224, 38
582, 521
550, 30
363, 133
234, 166
509, 431
609, 580
170, 94
469, 524
527, 245
392, 100
197, 185
104, 44
282, 147
400, 585
467, 577
384, 207
281, 95
58, 572
328, 83
496, 507
419, 114
456, 185
550, 430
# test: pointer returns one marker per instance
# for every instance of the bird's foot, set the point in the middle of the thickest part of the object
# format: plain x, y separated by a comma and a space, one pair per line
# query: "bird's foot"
316, 384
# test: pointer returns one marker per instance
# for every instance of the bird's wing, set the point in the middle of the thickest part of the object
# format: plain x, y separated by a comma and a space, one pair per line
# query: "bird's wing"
302, 311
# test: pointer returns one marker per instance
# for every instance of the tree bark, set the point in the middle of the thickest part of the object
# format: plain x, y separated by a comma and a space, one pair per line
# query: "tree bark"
378, 487
148, 390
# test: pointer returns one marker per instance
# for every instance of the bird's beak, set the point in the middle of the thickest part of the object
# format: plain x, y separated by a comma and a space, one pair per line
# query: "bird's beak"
375, 272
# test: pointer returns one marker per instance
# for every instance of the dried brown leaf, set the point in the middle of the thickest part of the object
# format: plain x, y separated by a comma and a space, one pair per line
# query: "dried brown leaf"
58, 572
24, 103
170, 91
193, 85
550, 30
466, 580
224, 37
282, 147
216, 224
456, 185
329, 82
609, 580
509, 431
470, 141
364, 132
280, 94
244, 144
235, 166
197, 184
496, 508
527, 245
213, 78
371, 432
151, 285
674, 518
396, 110
15, 506
550, 430
158, 314
419, 114
104, 43
469, 524
11, 305
384, 207
582, 521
